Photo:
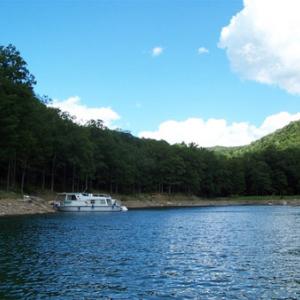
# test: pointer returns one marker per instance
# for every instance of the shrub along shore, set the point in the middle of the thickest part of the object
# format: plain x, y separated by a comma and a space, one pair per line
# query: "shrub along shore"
11, 205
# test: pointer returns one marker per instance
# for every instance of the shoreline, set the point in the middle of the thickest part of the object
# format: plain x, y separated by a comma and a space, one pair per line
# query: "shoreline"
210, 203
42, 205
184, 201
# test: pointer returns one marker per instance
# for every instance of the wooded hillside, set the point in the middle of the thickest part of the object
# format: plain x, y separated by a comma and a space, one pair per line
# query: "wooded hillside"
42, 148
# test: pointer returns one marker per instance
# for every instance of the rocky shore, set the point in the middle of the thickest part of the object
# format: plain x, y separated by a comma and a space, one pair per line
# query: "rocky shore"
24, 206
40, 205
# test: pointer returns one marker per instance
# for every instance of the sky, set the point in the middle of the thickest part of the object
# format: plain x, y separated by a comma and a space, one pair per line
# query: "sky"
213, 72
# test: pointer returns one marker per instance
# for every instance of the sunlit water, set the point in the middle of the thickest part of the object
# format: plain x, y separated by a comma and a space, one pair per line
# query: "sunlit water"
249, 252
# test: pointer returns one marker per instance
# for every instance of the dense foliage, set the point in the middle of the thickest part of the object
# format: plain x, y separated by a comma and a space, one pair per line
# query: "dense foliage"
41, 148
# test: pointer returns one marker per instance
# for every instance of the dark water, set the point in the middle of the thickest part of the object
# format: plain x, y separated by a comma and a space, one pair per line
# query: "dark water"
197, 253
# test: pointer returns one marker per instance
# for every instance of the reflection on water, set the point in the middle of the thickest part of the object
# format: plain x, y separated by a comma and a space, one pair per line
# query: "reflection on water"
197, 253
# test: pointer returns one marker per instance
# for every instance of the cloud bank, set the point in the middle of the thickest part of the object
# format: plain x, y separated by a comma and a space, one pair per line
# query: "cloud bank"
215, 132
262, 43
82, 113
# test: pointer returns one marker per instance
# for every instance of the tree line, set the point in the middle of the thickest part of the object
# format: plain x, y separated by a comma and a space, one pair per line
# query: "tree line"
42, 148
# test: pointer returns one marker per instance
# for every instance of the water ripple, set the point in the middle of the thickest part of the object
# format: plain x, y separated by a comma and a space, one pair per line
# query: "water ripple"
197, 253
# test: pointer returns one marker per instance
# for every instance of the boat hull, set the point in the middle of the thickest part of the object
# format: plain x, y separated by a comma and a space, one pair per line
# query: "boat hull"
90, 208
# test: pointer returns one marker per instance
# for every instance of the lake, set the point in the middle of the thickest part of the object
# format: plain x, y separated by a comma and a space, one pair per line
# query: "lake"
238, 252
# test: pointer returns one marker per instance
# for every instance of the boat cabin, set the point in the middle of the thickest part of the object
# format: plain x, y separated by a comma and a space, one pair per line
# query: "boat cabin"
99, 199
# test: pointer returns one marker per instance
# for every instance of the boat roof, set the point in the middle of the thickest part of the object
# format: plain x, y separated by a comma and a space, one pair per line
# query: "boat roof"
85, 194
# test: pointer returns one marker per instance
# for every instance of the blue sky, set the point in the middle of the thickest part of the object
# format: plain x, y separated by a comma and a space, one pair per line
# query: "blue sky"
100, 51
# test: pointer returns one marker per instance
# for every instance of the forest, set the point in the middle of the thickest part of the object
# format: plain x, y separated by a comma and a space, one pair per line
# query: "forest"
43, 149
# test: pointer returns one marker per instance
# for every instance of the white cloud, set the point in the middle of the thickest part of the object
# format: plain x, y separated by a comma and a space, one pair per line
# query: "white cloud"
262, 42
217, 131
156, 51
83, 113
202, 50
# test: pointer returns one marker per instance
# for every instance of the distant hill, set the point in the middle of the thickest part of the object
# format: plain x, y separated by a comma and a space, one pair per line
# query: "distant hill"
286, 137
224, 149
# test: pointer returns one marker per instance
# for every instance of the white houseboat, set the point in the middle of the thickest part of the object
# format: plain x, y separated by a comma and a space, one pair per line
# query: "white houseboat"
78, 202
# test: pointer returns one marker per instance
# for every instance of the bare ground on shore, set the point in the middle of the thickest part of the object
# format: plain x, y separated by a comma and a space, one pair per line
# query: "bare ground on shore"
24, 206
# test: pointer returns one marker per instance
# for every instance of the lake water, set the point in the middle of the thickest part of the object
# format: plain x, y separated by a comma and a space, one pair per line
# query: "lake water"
241, 252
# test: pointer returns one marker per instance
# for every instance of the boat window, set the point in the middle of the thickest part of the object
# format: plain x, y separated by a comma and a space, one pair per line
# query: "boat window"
92, 201
71, 197
108, 202
102, 202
